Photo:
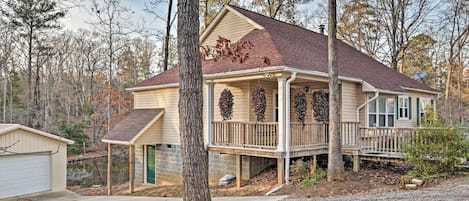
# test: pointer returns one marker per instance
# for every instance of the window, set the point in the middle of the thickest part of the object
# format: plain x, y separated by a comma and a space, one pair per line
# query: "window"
424, 104
384, 117
404, 111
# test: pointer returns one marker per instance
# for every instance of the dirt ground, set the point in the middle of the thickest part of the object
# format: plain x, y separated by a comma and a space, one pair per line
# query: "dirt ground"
372, 178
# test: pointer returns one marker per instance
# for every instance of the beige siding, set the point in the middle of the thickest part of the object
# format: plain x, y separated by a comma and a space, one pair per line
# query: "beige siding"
270, 87
162, 98
240, 91
30, 143
231, 26
410, 123
309, 106
152, 135
349, 102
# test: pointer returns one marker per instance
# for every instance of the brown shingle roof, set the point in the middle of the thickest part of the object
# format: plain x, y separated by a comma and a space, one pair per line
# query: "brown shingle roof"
296, 47
132, 125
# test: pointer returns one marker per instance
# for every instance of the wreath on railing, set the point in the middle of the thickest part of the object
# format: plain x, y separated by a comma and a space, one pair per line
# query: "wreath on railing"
321, 106
300, 107
225, 103
259, 103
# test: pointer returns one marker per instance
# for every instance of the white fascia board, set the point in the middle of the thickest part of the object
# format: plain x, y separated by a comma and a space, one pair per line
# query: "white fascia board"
42, 133
420, 90
171, 85
243, 72
115, 142
320, 74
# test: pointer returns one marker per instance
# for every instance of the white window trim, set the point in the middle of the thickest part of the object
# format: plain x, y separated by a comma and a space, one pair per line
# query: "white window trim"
377, 113
406, 98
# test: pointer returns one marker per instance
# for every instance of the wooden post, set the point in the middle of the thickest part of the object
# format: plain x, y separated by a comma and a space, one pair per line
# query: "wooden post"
131, 168
109, 169
356, 163
239, 170
280, 170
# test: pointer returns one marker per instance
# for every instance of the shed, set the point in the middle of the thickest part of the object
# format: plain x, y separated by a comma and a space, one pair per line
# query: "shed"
31, 161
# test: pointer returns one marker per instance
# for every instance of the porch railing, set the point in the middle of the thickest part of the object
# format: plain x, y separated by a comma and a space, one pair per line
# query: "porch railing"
386, 140
308, 134
263, 135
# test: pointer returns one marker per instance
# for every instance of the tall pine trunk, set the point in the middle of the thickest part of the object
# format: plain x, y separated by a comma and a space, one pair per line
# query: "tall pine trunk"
167, 34
335, 165
194, 155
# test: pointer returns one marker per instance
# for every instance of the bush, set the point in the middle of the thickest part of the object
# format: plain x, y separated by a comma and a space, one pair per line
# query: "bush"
436, 151
313, 179
73, 132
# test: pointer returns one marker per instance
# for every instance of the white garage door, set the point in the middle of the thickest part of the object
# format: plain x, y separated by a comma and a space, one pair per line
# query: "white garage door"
24, 174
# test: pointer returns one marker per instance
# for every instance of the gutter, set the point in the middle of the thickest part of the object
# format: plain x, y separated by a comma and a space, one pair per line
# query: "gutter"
366, 103
288, 127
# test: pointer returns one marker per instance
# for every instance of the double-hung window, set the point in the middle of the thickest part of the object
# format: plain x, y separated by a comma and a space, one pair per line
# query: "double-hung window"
384, 116
404, 107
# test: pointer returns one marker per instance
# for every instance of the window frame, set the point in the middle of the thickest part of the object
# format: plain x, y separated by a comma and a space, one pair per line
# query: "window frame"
401, 114
378, 113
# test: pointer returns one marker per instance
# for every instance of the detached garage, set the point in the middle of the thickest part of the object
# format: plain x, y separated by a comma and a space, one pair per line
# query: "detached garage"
31, 161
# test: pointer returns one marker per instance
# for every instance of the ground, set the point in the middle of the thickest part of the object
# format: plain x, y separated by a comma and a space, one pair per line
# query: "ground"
456, 189
372, 178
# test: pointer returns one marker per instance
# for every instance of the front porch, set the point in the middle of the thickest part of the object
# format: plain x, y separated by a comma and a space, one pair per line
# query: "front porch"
261, 139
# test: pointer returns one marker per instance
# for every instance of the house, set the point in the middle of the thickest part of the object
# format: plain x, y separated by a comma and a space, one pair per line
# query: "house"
380, 108
31, 161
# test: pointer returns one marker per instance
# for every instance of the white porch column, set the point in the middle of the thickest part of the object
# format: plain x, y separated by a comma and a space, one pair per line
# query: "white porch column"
282, 113
210, 100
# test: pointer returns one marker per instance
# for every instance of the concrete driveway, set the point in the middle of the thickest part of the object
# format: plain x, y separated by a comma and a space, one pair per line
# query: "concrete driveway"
71, 196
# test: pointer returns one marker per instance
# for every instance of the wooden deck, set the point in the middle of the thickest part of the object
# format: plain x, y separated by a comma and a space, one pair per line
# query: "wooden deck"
261, 139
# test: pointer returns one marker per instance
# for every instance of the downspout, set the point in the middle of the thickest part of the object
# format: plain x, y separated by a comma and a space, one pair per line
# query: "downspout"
366, 103
288, 127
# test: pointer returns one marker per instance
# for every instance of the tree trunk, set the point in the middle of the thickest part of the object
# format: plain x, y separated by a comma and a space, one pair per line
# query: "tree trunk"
30, 72
194, 155
166, 39
335, 165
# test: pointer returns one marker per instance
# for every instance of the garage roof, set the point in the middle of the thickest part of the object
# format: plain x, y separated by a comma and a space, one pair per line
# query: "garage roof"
6, 128
133, 126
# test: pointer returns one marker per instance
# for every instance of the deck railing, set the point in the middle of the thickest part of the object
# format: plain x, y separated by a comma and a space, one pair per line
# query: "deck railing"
308, 134
263, 135
386, 140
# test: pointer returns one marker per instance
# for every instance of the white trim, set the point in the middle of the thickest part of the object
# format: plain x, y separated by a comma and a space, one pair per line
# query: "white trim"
147, 126
171, 85
244, 72
420, 90
210, 112
406, 97
12, 127
364, 104
115, 142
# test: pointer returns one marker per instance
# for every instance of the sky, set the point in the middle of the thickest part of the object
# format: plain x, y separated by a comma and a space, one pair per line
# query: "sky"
80, 17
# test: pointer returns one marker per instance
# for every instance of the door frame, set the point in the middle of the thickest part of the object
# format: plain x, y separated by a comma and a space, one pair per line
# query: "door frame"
145, 163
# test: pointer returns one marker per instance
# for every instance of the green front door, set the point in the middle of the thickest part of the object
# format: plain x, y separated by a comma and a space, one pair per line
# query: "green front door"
151, 164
